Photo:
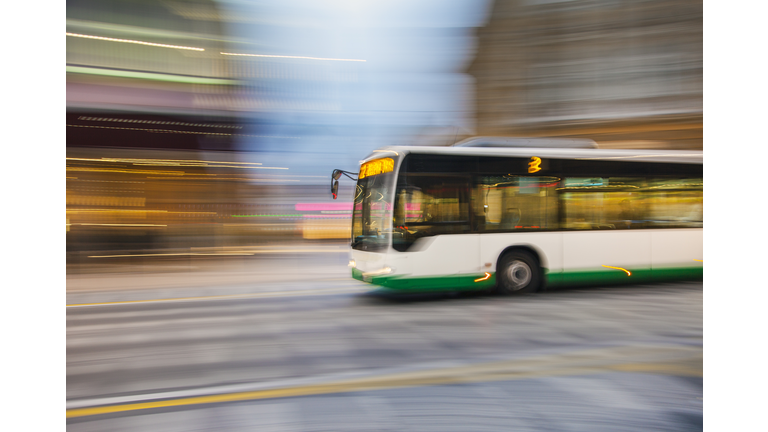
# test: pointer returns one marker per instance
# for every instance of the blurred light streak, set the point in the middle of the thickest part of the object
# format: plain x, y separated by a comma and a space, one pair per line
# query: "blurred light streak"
167, 77
292, 293
283, 226
292, 57
135, 42
166, 131
242, 179
619, 268
229, 253
173, 254
698, 260
192, 165
269, 215
323, 206
160, 161
348, 215
120, 225
114, 211
86, 118
128, 171
110, 181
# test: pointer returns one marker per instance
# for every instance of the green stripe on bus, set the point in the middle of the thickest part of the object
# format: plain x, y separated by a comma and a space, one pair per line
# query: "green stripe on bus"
612, 276
569, 278
468, 282
357, 274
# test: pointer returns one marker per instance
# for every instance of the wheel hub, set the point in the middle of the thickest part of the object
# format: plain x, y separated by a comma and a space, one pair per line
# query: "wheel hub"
518, 274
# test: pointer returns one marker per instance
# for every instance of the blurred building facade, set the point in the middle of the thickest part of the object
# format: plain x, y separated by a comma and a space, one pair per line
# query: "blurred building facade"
156, 118
627, 74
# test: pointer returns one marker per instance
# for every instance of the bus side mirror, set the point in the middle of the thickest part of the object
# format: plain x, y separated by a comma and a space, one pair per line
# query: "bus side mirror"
335, 188
336, 174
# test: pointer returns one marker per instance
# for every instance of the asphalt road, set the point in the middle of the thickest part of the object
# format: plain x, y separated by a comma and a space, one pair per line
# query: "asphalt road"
320, 355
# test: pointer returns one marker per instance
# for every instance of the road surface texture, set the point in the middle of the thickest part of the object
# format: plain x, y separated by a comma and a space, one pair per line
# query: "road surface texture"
291, 343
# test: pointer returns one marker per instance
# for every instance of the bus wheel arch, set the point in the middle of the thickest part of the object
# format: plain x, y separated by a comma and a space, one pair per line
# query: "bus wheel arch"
519, 270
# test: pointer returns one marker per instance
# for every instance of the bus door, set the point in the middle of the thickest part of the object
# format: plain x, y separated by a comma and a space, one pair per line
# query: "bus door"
433, 224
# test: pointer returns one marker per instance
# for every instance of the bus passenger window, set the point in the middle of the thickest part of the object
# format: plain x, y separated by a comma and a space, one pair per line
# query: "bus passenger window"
676, 203
511, 202
430, 205
603, 203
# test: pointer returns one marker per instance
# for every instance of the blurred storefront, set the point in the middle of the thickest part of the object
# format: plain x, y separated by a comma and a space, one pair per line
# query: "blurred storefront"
156, 116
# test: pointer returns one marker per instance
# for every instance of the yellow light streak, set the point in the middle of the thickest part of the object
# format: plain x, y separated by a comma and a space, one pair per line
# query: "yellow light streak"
226, 178
190, 161
195, 165
291, 293
619, 268
121, 225
676, 185
108, 39
114, 211
699, 260
621, 186
175, 254
486, 277
127, 171
291, 57
110, 181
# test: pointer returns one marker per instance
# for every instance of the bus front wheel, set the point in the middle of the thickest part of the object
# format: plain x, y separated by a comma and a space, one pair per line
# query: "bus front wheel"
518, 273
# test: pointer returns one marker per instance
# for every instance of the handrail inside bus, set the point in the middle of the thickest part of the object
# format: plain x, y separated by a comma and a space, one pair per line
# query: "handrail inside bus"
490, 141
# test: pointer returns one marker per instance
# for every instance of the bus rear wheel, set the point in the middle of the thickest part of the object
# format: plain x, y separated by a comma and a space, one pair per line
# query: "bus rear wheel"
518, 273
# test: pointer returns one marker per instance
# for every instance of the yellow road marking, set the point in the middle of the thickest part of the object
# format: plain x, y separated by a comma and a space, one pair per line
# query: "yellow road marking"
562, 365
231, 296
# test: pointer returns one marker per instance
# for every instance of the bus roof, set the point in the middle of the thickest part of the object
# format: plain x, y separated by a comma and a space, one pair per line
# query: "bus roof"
506, 142
668, 156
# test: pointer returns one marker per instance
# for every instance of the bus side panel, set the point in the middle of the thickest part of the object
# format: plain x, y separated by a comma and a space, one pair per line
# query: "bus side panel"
447, 262
548, 245
595, 257
677, 253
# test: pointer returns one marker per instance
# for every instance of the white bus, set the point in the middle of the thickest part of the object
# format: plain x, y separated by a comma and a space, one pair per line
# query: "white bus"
520, 215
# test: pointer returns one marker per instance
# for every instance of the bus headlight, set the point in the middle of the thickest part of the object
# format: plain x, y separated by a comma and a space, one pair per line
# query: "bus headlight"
352, 263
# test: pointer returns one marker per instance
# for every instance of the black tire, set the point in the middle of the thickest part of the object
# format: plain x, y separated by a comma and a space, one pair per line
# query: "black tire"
518, 273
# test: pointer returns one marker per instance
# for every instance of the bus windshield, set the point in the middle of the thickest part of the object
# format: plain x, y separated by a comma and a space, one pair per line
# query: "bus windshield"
372, 213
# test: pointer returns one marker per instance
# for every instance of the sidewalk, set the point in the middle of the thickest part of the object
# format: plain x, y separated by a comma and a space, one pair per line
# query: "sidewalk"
211, 272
